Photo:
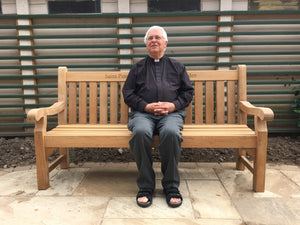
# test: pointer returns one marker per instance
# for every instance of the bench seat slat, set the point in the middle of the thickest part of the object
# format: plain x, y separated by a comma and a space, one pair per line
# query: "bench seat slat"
215, 136
124, 126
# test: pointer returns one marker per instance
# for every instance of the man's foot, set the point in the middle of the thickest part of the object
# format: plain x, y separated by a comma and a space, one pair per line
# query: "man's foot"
173, 197
144, 198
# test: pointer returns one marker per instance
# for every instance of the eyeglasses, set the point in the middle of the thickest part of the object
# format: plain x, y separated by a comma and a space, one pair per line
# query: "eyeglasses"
157, 37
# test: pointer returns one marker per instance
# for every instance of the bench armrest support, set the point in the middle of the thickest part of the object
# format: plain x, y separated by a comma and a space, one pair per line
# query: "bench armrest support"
37, 114
261, 112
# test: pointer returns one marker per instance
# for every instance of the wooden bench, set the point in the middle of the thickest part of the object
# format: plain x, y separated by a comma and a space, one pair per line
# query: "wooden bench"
92, 113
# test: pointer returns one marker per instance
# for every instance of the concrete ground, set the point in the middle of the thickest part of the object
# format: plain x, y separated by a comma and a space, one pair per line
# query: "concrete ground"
104, 194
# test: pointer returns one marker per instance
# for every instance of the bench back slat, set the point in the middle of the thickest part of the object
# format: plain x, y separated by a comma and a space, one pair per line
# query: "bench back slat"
231, 105
96, 97
72, 103
103, 102
124, 108
189, 114
198, 101
220, 102
114, 102
93, 101
83, 102
209, 102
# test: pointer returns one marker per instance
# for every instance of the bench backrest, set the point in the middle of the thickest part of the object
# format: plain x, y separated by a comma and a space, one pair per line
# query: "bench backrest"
96, 97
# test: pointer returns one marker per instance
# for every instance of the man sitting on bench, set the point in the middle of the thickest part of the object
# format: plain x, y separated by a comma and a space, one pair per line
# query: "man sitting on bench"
157, 89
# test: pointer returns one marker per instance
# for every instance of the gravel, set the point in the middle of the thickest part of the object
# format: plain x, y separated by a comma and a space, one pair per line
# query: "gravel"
20, 152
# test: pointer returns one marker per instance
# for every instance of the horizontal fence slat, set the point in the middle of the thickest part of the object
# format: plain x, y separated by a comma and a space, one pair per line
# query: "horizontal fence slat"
29, 86
130, 65
165, 14
143, 45
81, 36
168, 24
125, 56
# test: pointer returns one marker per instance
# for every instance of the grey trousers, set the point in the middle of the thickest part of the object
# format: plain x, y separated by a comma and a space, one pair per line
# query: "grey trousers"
168, 127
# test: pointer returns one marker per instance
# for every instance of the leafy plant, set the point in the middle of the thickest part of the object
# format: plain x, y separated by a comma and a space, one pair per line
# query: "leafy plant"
296, 104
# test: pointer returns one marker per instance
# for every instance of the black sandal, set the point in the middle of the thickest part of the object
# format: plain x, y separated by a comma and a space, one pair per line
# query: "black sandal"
173, 193
144, 193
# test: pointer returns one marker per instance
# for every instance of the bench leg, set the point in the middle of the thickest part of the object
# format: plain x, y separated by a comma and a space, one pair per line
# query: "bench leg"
41, 157
239, 164
260, 160
65, 164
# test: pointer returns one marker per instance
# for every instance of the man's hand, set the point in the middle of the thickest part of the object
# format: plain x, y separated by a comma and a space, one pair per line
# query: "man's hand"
160, 108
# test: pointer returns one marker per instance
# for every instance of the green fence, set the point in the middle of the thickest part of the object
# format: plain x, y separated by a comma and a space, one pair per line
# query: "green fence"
32, 47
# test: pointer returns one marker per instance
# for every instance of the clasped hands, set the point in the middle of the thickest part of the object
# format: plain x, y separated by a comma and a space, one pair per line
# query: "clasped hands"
160, 108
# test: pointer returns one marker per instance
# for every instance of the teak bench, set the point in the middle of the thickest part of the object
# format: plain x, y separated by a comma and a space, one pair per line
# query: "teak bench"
92, 113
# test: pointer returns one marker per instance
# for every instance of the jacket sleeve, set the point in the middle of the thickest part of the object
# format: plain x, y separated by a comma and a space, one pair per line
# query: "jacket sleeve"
186, 91
129, 93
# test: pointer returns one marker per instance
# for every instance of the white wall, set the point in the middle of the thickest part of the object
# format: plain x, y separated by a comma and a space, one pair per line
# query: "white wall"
138, 6
109, 6
38, 6
9, 6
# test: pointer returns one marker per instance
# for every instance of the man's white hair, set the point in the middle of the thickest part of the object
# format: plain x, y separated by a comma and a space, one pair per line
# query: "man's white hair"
165, 36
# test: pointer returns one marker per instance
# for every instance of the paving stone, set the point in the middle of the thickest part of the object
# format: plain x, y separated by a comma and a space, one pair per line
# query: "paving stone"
65, 182
109, 182
104, 194
126, 207
198, 173
4, 210
3, 172
239, 184
183, 172
55, 210
267, 211
274, 183
210, 200
18, 183
294, 175
171, 222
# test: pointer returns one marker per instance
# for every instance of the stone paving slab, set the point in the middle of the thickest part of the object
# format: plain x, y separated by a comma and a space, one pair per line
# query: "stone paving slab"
18, 183
125, 207
107, 181
65, 182
210, 200
176, 221
53, 210
104, 194
268, 211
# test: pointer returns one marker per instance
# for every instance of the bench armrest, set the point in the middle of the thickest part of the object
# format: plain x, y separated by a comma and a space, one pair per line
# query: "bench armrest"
261, 112
37, 114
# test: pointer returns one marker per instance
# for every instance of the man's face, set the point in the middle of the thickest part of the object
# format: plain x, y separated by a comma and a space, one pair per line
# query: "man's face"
156, 44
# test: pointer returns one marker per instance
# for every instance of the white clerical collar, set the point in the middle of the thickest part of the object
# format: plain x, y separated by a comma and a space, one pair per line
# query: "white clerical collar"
156, 60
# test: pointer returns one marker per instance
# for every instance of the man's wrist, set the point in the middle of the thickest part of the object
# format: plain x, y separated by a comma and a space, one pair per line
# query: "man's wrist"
172, 107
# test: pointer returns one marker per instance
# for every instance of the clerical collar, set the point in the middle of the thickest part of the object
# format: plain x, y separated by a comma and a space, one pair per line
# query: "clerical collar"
156, 60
